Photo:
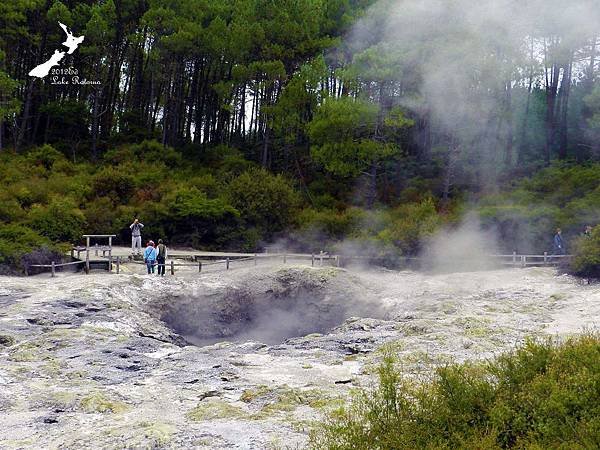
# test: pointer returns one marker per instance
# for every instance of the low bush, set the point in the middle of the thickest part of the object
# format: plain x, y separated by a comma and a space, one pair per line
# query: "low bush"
408, 225
16, 241
59, 221
149, 150
190, 217
586, 261
563, 195
543, 395
265, 201
113, 182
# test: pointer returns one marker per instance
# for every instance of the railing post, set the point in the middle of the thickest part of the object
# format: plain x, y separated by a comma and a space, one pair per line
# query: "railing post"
199, 266
312, 260
545, 258
337, 260
523, 261
514, 258
110, 263
227, 263
172, 268
53, 270
87, 260
96, 249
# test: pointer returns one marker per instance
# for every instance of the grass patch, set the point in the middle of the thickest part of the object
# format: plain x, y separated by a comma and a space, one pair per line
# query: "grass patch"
99, 403
543, 395
214, 408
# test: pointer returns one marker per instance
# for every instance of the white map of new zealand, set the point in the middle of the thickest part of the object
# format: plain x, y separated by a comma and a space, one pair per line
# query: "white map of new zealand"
71, 43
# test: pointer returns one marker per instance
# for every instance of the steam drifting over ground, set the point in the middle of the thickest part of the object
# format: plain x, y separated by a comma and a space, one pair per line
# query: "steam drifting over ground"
465, 248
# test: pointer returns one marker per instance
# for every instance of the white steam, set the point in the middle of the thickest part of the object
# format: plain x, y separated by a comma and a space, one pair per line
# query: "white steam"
463, 249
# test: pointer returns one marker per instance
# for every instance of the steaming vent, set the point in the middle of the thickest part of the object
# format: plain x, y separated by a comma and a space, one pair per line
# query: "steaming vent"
268, 309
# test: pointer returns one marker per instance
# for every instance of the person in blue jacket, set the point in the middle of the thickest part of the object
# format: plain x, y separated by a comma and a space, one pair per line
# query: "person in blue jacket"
150, 257
559, 245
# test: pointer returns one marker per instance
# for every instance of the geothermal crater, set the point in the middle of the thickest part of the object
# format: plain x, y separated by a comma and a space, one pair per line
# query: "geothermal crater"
98, 361
269, 309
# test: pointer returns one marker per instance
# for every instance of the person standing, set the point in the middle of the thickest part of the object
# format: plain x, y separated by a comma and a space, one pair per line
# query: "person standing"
161, 257
559, 246
136, 237
150, 257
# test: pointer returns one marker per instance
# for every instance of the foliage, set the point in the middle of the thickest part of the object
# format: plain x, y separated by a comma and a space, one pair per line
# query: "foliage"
586, 261
148, 150
408, 225
343, 133
16, 241
563, 195
59, 221
265, 201
543, 395
189, 216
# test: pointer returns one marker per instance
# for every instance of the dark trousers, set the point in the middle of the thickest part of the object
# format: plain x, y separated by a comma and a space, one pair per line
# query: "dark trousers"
161, 265
150, 265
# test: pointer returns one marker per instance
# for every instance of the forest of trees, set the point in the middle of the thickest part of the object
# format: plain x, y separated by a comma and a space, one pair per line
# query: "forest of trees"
383, 118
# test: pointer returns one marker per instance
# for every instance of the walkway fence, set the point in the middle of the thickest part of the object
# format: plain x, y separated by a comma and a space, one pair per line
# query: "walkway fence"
109, 262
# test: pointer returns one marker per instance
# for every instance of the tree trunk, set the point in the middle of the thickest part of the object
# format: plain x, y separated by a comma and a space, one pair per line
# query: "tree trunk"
564, 110
95, 125
550, 124
26, 110
372, 189
522, 139
508, 155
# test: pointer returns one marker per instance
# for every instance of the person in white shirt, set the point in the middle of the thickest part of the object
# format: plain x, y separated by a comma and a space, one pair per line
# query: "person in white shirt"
136, 237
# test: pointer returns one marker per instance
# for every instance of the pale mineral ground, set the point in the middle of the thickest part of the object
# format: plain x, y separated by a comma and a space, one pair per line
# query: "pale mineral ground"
109, 361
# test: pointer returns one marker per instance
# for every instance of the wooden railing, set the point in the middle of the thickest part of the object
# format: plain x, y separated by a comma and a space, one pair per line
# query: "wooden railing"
513, 260
318, 258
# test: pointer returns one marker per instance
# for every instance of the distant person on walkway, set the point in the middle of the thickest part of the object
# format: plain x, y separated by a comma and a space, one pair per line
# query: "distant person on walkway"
136, 237
150, 257
161, 257
588, 231
559, 246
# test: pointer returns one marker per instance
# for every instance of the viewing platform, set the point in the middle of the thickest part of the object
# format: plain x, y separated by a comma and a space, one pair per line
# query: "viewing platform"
98, 253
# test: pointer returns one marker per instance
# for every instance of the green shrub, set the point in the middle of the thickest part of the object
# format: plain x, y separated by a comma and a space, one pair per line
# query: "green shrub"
331, 223
149, 151
408, 225
542, 396
586, 261
189, 216
565, 196
265, 201
114, 183
10, 209
59, 221
45, 156
16, 241
101, 216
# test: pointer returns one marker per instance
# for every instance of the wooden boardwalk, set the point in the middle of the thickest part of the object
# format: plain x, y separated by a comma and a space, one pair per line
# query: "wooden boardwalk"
201, 260
109, 258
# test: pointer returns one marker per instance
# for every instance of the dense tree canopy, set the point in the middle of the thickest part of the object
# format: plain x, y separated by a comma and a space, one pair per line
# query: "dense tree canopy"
389, 104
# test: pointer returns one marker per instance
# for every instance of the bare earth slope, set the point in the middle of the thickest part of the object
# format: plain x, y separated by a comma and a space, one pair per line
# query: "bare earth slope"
87, 362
